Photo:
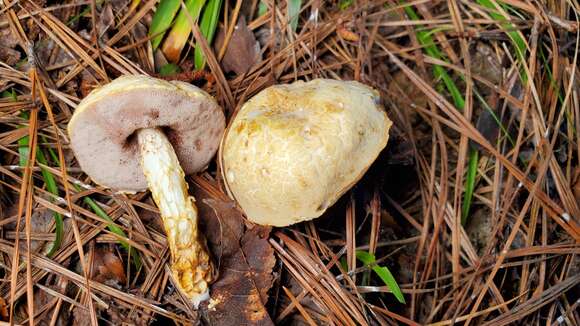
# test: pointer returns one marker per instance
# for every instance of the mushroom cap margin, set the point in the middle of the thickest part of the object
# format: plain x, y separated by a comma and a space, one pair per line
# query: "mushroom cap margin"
102, 128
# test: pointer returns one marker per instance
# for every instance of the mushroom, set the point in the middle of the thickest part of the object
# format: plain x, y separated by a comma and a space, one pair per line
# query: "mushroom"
138, 132
293, 150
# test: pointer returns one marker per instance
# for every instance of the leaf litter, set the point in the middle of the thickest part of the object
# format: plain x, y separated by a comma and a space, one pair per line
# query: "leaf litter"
242, 51
244, 257
515, 259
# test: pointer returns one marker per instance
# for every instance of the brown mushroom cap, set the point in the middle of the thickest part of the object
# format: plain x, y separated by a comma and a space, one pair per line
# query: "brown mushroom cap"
102, 128
293, 150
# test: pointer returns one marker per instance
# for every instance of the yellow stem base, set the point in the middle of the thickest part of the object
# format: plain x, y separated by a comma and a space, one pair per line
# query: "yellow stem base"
190, 262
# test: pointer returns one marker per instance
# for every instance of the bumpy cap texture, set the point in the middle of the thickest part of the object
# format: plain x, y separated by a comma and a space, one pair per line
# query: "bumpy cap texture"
293, 150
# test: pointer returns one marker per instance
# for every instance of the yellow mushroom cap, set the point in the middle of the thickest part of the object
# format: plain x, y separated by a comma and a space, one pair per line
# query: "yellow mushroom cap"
293, 150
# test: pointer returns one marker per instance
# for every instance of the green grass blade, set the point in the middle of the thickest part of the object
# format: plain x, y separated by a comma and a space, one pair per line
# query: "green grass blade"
207, 26
424, 37
52, 154
112, 227
343, 263
553, 83
49, 181
22, 142
383, 272
23, 150
518, 42
177, 37
11, 94
262, 8
294, 13
52, 187
495, 117
162, 20
344, 4
469, 184
82, 13
169, 69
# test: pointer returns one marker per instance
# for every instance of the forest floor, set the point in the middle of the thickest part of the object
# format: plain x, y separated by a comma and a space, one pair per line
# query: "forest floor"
469, 216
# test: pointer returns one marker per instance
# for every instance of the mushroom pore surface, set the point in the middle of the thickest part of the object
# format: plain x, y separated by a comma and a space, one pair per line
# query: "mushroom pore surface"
293, 150
103, 126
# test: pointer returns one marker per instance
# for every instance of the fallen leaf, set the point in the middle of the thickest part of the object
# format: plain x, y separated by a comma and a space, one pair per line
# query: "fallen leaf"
41, 299
107, 268
486, 64
3, 310
159, 59
8, 41
7, 37
8, 55
80, 317
269, 37
478, 228
30, 25
87, 83
488, 123
243, 257
404, 93
105, 22
42, 220
243, 50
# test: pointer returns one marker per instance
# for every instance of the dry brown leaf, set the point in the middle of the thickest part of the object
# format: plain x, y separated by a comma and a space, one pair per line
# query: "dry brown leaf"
107, 268
105, 21
242, 52
80, 317
42, 221
244, 258
8, 55
40, 299
8, 41
404, 93
3, 310
479, 227
87, 83
486, 123
485, 63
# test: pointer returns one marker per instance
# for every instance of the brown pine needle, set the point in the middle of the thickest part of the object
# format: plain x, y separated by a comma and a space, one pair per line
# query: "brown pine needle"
512, 259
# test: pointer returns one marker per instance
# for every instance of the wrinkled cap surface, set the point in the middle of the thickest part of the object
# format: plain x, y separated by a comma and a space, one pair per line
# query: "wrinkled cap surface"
293, 150
102, 129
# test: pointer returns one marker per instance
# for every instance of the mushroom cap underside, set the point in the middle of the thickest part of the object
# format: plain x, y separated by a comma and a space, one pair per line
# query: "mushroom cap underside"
102, 129
293, 150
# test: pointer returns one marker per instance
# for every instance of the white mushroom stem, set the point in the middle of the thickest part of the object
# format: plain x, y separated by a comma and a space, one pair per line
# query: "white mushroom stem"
190, 262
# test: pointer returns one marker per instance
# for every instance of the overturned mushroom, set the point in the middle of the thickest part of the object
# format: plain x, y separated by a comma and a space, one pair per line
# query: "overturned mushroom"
293, 150
138, 132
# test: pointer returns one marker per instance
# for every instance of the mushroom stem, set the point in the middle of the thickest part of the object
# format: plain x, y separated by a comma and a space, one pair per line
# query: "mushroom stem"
190, 262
